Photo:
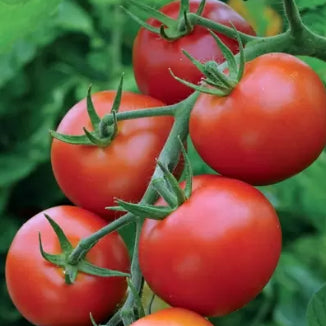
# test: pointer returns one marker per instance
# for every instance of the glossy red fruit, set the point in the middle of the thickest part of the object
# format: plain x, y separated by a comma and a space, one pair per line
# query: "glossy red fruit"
92, 177
271, 126
153, 55
172, 317
38, 288
216, 251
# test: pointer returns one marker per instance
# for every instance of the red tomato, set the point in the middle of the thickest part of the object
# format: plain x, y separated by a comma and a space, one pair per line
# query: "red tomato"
38, 288
153, 55
271, 126
172, 317
90, 176
216, 252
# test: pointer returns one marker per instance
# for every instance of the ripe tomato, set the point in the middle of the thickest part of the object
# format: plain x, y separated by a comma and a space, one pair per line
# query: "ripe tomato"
271, 126
38, 288
216, 252
153, 55
172, 317
91, 176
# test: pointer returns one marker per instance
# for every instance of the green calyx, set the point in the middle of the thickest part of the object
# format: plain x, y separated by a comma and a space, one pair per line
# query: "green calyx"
71, 269
168, 188
104, 130
216, 81
170, 29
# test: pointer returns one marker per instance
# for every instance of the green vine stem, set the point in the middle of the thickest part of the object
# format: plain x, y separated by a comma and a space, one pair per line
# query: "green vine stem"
225, 30
143, 113
87, 243
297, 40
127, 310
169, 157
296, 25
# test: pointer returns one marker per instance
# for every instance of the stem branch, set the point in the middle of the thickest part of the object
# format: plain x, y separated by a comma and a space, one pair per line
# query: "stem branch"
169, 156
151, 112
136, 280
87, 243
225, 30
296, 25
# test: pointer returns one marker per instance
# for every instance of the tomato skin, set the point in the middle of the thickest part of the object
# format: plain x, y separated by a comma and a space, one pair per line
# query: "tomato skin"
216, 252
153, 55
172, 317
272, 125
90, 176
38, 288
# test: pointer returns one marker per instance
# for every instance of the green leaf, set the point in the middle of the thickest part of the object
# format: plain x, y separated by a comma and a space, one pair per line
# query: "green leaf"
10, 225
295, 283
315, 19
25, 133
4, 195
72, 139
316, 313
10, 62
19, 19
128, 233
145, 211
88, 268
317, 65
65, 244
310, 4
14, 2
311, 250
303, 195
12, 168
72, 17
8, 312
30, 195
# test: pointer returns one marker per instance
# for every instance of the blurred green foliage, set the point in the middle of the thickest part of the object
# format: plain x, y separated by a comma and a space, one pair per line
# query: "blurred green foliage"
50, 51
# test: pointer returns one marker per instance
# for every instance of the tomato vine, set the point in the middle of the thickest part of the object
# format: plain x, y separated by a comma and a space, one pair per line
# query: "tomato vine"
298, 39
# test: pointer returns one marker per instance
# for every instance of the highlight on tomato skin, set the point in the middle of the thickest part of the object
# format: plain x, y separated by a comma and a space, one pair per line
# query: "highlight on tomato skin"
216, 251
172, 317
90, 176
153, 55
269, 128
38, 288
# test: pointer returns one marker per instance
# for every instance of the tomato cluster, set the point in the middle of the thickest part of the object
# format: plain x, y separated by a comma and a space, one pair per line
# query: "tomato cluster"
216, 249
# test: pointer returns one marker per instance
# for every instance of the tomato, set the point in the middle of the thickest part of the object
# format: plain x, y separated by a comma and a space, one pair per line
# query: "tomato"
91, 176
271, 126
38, 288
216, 251
172, 317
153, 55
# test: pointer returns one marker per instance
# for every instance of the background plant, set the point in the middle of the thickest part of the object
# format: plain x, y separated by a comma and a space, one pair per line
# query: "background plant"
50, 51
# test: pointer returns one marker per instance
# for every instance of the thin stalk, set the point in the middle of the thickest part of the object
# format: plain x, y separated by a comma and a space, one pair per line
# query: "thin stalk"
309, 44
296, 25
140, 113
225, 30
168, 156
152, 112
127, 310
87, 243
